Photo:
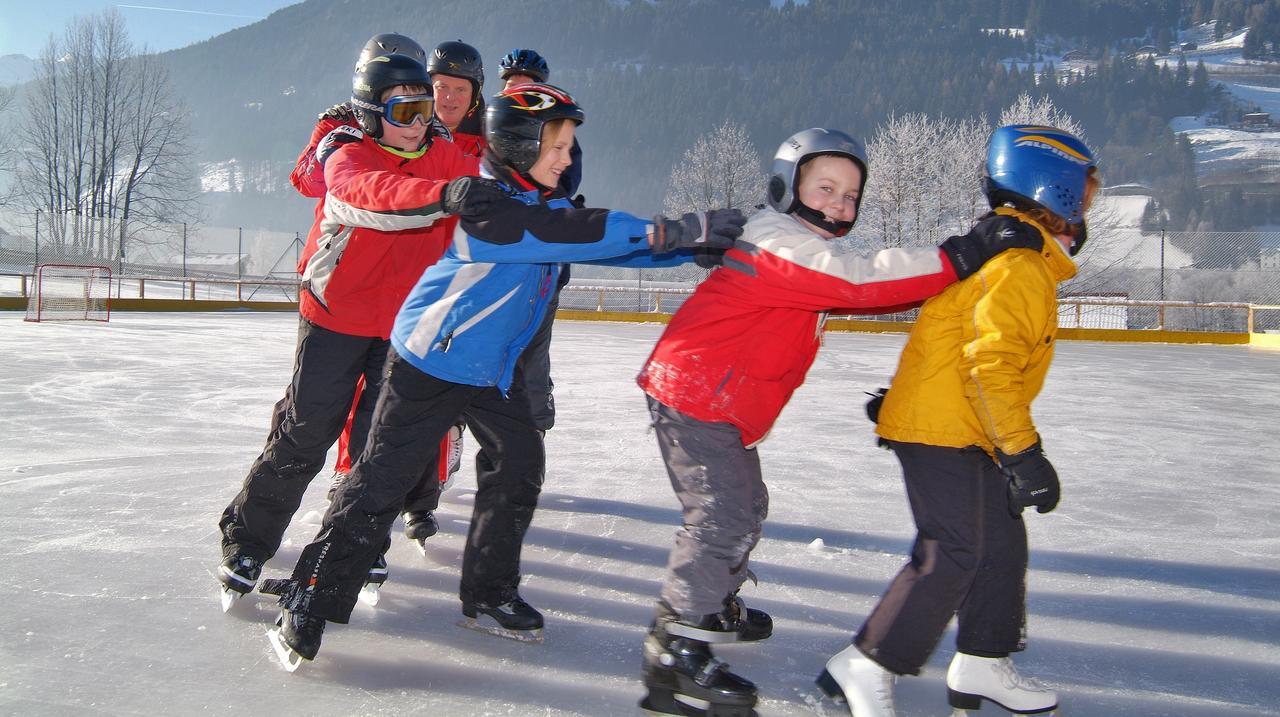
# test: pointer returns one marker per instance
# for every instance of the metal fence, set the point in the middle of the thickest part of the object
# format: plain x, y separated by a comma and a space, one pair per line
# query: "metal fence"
162, 251
1127, 278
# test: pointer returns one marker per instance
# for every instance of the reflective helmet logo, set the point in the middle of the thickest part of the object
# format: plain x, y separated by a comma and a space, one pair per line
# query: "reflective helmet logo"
531, 101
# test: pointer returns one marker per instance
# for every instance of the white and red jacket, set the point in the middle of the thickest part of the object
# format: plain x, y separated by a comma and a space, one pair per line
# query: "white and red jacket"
742, 344
380, 225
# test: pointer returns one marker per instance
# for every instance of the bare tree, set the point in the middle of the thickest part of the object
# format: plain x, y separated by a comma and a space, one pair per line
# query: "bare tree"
8, 152
104, 140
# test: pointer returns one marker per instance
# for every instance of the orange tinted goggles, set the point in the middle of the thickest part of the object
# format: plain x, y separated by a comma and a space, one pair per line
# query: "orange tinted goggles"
402, 110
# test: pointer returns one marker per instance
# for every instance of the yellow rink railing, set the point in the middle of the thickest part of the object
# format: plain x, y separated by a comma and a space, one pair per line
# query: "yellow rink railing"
1080, 318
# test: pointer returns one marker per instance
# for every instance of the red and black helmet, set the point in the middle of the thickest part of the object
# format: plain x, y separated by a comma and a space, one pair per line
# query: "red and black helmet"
514, 120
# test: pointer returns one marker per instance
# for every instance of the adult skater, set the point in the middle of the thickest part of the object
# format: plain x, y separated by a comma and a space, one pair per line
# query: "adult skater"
727, 364
958, 417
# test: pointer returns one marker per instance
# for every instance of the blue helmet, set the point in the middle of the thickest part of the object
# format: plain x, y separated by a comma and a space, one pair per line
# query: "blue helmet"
1033, 166
524, 62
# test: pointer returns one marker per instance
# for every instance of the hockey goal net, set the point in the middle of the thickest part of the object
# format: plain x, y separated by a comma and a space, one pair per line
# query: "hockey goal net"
70, 292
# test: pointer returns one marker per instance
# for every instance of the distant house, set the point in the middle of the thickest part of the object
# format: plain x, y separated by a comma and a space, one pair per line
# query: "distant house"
1188, 46
1256, 119
1269, 260
1075, 56
1145, 52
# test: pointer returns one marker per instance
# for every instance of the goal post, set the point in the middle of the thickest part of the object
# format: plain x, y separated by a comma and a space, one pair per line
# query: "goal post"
70, 292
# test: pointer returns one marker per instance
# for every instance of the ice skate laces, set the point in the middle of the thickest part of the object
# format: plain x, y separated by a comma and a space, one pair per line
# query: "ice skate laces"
1014, 680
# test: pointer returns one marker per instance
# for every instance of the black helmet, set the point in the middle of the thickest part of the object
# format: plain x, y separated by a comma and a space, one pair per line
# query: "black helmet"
458, 59
391, 43
377, 76
524, 62
514, 120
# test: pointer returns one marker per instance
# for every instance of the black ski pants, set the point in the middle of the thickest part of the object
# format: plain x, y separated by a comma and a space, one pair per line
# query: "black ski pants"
305, 424
413, 413
535, 365
969, 560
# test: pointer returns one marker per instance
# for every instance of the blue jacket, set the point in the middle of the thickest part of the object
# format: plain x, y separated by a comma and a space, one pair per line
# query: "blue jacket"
474, 311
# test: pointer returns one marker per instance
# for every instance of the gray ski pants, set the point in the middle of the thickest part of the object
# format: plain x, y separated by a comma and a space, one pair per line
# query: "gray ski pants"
724, 501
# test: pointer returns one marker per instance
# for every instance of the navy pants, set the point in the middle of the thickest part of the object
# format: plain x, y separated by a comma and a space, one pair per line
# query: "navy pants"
969, 560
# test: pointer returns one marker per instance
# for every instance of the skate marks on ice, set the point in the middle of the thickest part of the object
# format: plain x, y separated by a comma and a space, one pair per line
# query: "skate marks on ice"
1133, 613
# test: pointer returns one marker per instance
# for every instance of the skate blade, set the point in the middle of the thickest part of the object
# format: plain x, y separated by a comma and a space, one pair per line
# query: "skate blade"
289, 659
369, 594
421, 544
958, 712
660, 704
529, 636
229, 598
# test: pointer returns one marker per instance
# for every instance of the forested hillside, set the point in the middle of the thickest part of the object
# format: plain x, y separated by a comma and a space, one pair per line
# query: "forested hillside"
653, 76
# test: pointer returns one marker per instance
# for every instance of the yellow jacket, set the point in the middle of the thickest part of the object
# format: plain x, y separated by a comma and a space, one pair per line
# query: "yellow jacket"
979, 353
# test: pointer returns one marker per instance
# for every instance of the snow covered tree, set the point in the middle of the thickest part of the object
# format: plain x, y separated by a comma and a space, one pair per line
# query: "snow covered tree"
722, 170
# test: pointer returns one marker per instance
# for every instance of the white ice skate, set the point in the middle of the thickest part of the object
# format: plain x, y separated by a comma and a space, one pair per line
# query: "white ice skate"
854, 678
971, 679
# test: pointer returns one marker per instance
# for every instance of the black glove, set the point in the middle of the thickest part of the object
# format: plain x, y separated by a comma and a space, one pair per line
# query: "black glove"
335, 139
473, 196
991, 235
579, 202
1032, 480
873, 406
722, 227
708, 258
341, 112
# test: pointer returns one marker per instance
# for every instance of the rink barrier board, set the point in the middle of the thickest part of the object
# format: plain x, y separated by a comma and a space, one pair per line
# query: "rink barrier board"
18, 303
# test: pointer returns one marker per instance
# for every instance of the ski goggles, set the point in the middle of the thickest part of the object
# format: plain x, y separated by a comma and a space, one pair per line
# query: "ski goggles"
403, 110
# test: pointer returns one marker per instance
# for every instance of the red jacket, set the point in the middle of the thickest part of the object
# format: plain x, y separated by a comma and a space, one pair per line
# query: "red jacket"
380, 225
742, 344
471, 145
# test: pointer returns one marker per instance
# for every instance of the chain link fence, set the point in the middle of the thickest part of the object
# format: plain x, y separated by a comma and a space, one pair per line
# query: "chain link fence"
1189, 281
166, 251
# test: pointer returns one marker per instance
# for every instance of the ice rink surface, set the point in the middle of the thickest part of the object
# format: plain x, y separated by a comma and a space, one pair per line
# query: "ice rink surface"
1154, 588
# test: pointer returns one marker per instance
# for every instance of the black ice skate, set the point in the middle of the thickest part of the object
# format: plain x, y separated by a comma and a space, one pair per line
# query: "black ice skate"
378, 573
514, 619
684, 678
296, 637
238, 574
748, 623
419, 524
734, 623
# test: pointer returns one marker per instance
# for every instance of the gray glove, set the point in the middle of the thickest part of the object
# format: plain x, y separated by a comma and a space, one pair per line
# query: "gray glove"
722, 226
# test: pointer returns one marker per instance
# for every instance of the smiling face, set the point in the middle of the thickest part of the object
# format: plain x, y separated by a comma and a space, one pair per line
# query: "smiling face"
553, 157
831, 185
408, 138
453, 98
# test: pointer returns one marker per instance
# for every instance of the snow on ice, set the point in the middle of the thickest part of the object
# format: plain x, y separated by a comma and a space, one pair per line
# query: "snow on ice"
1154, 588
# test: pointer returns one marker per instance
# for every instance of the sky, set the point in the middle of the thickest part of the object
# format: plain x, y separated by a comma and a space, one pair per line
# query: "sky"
161, 25
1152, 589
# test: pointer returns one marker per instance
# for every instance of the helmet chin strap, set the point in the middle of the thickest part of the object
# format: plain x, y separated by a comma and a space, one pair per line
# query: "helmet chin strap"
818, 219
1077, 242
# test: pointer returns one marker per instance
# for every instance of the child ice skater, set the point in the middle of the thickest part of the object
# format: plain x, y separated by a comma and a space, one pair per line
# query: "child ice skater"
725, 368
958, 417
